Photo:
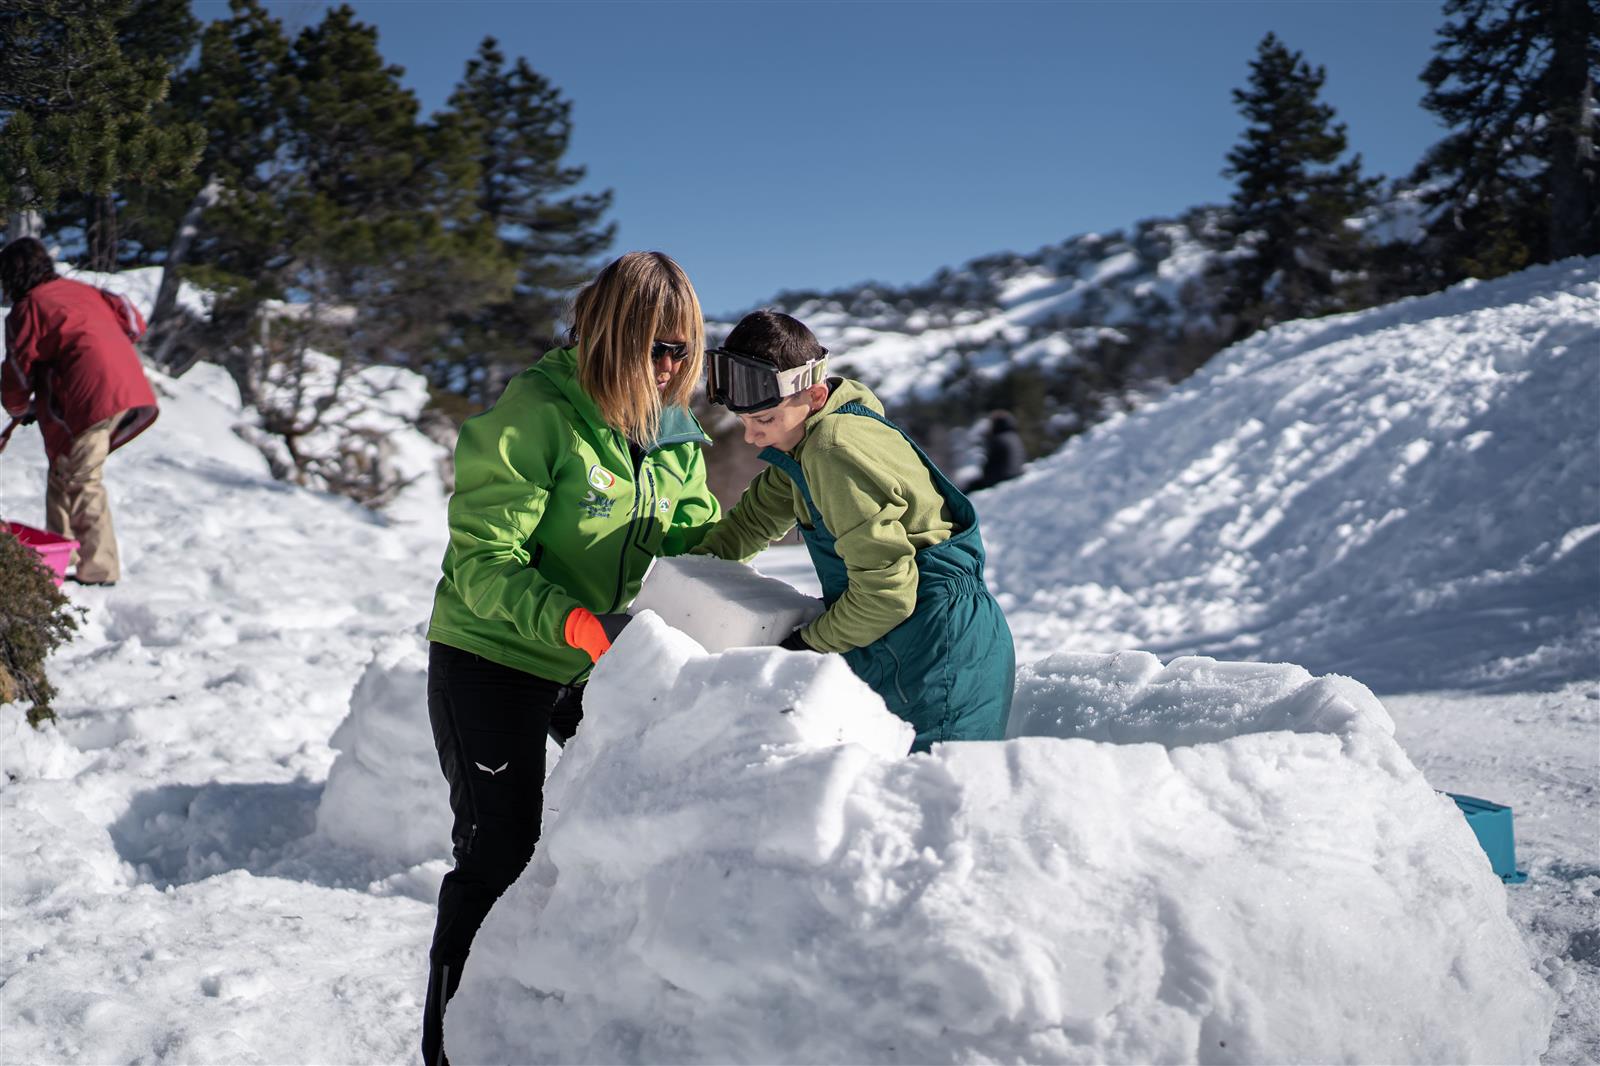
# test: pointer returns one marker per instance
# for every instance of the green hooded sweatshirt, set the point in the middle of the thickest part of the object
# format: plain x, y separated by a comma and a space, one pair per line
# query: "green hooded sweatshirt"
876, 497
551, 511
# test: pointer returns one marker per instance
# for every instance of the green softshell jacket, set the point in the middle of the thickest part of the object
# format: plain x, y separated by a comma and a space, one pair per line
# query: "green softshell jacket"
876, 497
551, 511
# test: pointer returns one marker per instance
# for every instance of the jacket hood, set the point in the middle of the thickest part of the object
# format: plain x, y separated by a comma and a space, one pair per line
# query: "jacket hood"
843, 391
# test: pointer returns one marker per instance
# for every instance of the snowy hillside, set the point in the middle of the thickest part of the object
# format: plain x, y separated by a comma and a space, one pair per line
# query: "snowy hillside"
1117, 309
228, 848
989, 317
1409, 495
1064, 335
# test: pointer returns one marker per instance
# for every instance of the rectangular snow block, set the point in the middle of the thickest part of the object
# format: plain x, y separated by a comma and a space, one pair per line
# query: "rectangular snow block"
1491, 824
56, 551
723, 604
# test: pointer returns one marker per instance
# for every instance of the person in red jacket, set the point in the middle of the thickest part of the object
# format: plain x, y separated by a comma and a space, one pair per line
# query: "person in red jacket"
70, 363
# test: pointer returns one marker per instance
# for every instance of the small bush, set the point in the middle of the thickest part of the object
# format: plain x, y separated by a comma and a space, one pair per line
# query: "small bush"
35, 618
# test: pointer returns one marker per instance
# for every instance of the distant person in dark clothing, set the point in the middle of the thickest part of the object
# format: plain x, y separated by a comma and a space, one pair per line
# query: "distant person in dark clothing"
70, 363
1002, 453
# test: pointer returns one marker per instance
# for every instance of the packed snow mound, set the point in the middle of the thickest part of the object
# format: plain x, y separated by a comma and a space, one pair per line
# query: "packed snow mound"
1408, 495
739, 836
385, 794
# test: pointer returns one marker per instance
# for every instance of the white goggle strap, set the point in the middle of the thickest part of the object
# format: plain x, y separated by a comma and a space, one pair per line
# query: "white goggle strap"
802, 377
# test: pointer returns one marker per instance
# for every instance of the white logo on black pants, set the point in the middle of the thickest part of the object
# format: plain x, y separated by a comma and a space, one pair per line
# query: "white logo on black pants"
490, 772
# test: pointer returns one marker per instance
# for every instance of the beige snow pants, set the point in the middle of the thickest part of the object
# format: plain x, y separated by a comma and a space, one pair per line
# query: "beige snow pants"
76, 506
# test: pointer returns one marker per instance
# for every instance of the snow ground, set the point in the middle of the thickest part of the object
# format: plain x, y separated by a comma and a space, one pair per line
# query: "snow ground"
171, 889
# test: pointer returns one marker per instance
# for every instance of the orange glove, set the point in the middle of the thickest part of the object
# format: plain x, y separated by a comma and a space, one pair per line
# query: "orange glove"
583, 630
594, 632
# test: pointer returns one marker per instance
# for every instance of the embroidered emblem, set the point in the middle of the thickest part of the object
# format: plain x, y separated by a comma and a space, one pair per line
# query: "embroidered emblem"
490, 772
601, 478
595, 505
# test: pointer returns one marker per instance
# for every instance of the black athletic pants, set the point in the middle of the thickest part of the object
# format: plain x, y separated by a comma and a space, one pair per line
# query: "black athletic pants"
489, 726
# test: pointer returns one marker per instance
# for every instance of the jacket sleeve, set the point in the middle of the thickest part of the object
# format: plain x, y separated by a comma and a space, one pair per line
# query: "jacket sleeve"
504, 476
763, 514
863, 506
22, 351
697, 510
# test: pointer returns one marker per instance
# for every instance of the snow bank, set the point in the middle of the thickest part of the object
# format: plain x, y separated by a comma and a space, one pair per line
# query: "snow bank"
385, 795
1408, 495
723, 604
739, 865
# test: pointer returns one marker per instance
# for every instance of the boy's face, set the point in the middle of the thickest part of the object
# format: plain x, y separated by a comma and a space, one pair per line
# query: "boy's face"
783, 426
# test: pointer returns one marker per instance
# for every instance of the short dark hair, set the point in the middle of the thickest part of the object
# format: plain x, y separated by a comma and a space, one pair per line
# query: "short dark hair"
776, 338
24, 264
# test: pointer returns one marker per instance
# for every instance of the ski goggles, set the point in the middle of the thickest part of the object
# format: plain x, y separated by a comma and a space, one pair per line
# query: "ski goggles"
743, 383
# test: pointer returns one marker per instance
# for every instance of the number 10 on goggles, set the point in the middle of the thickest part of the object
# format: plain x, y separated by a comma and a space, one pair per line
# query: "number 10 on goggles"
743, 383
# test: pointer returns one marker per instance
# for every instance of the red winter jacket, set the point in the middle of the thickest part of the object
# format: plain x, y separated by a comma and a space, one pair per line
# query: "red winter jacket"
69, 356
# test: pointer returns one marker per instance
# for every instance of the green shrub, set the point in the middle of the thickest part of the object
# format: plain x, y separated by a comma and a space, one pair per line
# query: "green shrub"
35, 618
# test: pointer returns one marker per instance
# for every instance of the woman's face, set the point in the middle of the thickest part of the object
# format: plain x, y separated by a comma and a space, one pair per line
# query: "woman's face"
672, 349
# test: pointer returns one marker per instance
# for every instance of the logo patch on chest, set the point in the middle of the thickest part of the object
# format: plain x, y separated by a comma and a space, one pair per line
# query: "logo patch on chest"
601, 478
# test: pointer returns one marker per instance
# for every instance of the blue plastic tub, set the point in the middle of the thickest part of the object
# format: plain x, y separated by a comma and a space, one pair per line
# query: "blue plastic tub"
1491, 823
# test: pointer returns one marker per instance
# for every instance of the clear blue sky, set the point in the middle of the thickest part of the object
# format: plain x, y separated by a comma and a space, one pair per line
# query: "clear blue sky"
773, 145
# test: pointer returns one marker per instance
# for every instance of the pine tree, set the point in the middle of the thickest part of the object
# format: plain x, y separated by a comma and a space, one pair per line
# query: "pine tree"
1294, 198
75, 110
520, 127
226, 228
1517, 180
113, 224
381, 197
385, 242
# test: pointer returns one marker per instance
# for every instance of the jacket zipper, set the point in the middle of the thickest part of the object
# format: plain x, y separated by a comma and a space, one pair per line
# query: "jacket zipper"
627, 541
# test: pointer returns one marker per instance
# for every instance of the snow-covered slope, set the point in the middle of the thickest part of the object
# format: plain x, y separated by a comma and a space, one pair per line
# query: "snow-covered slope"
139, 918
991, 316
1064, 335
1409, 495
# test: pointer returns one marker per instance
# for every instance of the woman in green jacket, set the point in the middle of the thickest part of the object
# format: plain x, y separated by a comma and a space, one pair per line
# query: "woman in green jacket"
587, 468
895, 545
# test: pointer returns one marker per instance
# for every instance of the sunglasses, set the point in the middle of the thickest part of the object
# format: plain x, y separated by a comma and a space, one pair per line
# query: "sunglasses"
666, 350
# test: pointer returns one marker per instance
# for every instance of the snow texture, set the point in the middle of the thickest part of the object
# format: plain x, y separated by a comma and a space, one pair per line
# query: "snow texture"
1409, 495
735, 837
723, 604
380, 797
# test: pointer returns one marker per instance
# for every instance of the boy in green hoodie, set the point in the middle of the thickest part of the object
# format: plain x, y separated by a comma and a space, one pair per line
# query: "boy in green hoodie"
895, 545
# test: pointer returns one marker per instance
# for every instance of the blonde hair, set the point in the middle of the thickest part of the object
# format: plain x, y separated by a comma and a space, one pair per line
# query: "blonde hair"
637, 299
